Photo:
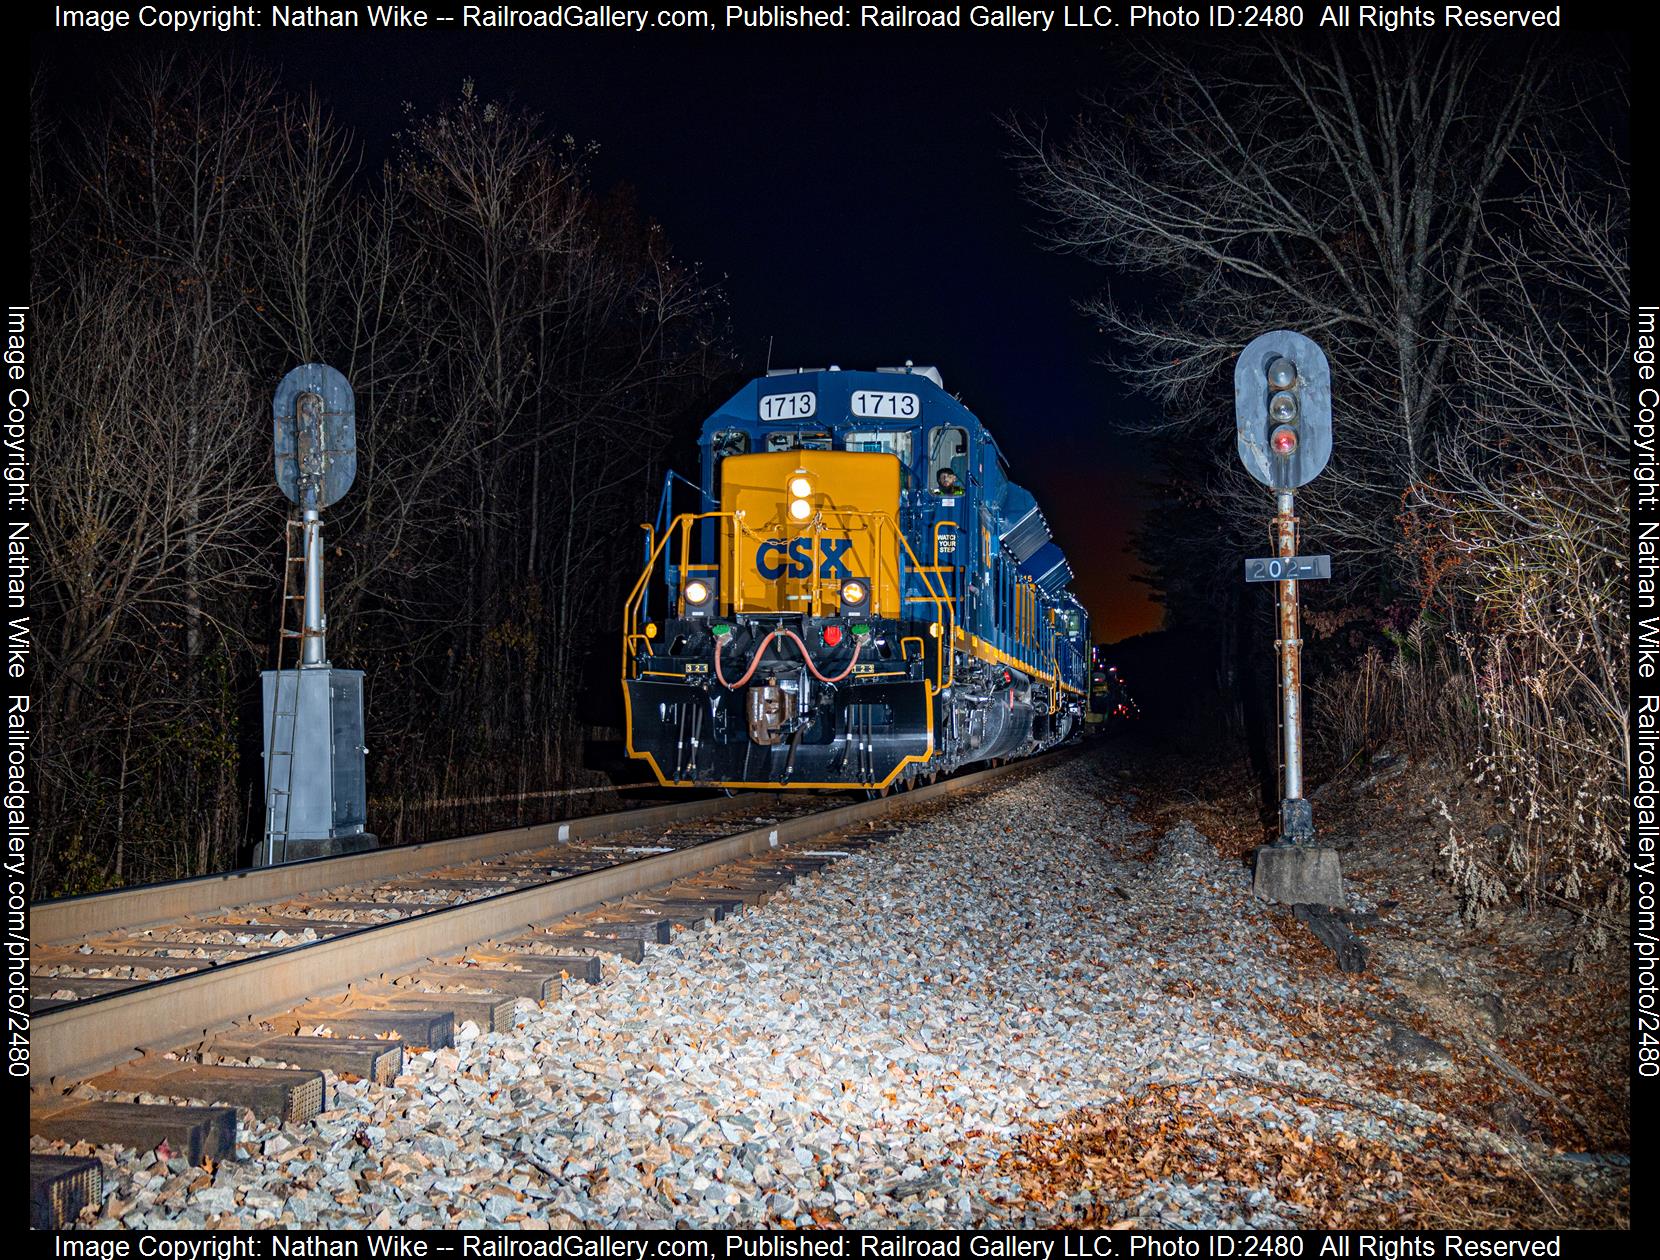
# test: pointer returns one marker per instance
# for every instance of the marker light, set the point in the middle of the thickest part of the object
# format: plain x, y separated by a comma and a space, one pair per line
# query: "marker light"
651, 629
832, 636
800, 487
934, 629
1283, 441
855, 598
800, 509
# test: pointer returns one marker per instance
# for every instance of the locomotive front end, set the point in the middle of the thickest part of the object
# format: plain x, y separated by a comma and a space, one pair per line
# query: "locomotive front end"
778, 656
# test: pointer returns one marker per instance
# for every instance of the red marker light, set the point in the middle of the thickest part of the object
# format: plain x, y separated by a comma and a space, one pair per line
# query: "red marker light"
1284, 441
832, 635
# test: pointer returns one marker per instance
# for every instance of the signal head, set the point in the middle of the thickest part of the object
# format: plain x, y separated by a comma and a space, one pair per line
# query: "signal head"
1282, 409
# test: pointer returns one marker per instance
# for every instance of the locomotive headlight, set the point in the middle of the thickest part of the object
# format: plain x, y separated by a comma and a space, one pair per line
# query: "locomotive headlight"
800, 487
700, 598
855, 598
800, 509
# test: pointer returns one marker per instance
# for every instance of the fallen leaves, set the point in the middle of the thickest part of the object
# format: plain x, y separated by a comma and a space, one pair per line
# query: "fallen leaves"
1125, 1153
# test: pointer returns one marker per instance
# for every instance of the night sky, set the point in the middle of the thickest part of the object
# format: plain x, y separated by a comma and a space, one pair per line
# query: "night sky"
852, 196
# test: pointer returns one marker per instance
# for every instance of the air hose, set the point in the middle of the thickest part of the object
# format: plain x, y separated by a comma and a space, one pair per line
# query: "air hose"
858, 646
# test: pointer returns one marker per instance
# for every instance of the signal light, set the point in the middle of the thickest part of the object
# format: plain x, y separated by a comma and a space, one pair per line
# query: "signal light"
1282, 408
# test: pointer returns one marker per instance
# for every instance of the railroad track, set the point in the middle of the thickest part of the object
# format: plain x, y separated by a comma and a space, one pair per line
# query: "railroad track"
246, 990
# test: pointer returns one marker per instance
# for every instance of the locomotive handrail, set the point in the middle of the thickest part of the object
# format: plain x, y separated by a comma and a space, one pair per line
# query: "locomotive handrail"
945, 605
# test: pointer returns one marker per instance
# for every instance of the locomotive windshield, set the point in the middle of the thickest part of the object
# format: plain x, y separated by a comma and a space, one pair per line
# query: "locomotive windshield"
815, 440
729, 442
886, 442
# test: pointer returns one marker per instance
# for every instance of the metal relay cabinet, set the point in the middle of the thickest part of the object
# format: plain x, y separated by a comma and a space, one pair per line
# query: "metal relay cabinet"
314, 769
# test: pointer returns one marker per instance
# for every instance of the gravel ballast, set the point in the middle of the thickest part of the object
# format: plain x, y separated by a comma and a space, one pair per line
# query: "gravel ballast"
864, 1050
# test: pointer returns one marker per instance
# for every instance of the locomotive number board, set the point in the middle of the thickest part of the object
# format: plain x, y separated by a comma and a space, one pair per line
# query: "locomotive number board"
795, 406
886, 404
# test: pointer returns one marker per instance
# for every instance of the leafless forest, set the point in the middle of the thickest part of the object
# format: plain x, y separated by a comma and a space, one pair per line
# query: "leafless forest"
1450, 220
521, 346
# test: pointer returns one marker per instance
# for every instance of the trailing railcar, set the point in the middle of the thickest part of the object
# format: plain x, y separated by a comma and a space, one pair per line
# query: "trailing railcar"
858, 597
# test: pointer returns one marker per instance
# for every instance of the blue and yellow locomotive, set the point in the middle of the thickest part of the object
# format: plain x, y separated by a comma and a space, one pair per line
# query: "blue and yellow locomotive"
861, 598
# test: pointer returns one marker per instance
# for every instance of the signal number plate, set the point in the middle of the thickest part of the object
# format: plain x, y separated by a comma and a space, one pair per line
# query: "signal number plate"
789, 406
886, 404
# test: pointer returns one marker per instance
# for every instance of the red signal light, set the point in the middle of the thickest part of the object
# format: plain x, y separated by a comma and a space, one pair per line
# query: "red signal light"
1283, 441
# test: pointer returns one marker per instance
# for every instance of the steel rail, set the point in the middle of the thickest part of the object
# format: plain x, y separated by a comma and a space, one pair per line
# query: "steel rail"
69, 919
72, 1042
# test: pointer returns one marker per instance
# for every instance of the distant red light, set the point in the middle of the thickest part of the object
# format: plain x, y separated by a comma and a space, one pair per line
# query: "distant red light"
832, 635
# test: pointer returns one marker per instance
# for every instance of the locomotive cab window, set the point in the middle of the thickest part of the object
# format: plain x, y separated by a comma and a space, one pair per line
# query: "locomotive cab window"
886, 442
947, 452
793, 440
729, 442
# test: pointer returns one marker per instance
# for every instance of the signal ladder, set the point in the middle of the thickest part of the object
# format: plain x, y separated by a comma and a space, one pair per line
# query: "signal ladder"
285, 703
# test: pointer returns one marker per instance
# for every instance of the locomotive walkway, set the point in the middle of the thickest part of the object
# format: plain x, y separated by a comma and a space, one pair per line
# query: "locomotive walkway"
934, 1028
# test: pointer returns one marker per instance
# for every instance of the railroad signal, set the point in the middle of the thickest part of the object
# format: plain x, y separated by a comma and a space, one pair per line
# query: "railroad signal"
1282, 406
313, 716
1282, 410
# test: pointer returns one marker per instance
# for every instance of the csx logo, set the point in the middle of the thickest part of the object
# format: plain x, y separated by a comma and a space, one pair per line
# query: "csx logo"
775, 558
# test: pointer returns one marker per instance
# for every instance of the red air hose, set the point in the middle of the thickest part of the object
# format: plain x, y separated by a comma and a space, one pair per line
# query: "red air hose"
761, 651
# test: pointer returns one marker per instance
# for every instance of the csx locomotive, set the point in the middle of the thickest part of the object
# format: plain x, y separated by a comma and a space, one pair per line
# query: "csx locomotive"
860, 597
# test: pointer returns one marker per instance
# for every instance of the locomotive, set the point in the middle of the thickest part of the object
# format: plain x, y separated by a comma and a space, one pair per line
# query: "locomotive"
860, 597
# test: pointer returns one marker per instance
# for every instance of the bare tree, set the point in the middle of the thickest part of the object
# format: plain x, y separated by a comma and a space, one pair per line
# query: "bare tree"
1334, 188
520, 351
